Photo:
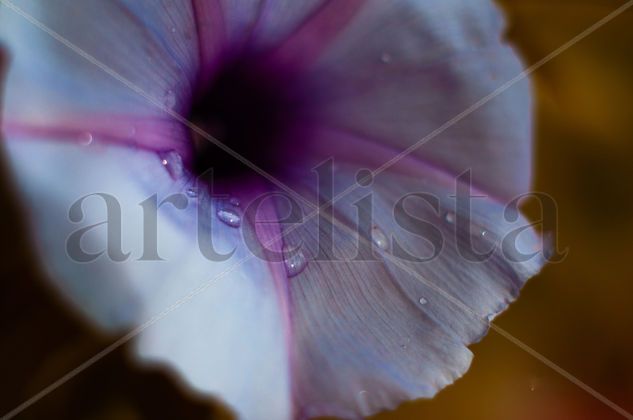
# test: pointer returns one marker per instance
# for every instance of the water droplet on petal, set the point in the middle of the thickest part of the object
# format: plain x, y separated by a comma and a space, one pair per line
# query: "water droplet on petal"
192, 192
379, 238
478, 231
423, 301
172, 161
170, 99
485, 242
295, 261
173, 29
386, 58
363, 403
449, 217
229, 217
406, 343
234, 201
85, 138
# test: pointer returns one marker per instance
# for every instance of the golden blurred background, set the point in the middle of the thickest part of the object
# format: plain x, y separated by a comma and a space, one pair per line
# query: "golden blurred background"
578, 313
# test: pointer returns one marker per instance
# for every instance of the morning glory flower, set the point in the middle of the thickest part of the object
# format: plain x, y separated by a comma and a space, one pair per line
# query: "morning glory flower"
310, 93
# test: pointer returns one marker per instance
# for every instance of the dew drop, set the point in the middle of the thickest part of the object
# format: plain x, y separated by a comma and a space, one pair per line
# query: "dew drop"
484, 241
406, 343
170, 99
192, 192
449, 217
386, 58
477, 231
363, 402
295, 261
172, 161
229, 217
173, 29
234, 201
379, 238
423, 301
85, 138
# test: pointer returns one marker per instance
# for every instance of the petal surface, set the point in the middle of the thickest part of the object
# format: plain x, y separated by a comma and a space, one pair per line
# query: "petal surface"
225, 330
53, 90
62, 115
294, 31
373, 328
404, 68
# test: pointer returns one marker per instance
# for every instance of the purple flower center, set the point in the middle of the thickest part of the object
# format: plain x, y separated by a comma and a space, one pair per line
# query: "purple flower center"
257, 108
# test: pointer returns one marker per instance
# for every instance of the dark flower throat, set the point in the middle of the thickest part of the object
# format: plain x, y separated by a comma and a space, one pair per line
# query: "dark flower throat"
256, 110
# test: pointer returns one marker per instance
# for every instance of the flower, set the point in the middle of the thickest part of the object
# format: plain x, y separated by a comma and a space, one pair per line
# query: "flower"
93, 132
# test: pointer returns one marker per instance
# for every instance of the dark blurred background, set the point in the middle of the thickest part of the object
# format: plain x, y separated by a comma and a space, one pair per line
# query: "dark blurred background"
578, 313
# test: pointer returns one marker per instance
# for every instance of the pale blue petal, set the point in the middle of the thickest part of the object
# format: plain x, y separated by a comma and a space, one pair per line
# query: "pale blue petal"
150, 44
228, 340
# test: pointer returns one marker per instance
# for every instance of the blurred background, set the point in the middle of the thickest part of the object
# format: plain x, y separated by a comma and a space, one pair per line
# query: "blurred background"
578, 313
